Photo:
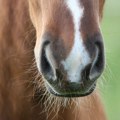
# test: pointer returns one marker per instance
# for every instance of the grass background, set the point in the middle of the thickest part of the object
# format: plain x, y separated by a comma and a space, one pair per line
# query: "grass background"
111, 81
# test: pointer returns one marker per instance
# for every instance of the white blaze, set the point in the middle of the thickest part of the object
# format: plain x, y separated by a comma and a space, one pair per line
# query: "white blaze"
78, 57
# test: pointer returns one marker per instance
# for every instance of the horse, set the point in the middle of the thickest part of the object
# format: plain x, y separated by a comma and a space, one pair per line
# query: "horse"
51, 55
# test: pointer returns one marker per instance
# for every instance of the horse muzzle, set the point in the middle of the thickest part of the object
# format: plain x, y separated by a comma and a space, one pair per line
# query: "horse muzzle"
67, 82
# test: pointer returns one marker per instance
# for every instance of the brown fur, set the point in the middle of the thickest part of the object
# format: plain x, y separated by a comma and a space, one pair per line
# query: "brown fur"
17, 94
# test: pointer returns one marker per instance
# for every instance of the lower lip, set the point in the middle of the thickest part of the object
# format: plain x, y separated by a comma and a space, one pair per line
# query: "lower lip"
70, 95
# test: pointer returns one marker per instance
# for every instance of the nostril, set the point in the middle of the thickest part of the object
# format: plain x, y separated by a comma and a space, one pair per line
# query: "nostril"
46, 61
100, 56
45, 43
45, 66
86, 72
98, 62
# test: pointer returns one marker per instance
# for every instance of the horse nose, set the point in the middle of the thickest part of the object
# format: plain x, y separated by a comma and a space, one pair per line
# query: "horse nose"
75, 76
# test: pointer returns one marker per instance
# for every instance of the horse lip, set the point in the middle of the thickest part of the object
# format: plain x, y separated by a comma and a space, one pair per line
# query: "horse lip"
71, 93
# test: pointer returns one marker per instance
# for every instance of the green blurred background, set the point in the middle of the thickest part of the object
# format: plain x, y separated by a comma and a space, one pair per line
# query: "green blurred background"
111, 78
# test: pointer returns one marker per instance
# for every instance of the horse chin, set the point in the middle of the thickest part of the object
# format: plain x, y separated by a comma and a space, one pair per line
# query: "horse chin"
70, 94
